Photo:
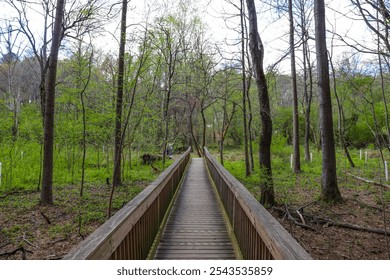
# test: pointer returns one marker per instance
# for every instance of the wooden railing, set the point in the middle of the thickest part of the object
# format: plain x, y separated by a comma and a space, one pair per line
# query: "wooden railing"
130, 233
258, 233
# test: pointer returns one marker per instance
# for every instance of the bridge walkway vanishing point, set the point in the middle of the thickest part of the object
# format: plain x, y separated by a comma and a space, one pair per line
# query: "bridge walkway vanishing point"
196, 228
182, 215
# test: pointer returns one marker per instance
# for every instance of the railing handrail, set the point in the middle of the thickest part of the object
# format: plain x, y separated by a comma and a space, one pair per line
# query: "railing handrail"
104, 240
279, 242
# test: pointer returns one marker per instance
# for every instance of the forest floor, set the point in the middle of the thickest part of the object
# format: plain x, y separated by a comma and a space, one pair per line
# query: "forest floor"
30, 231
341, 231
338, 231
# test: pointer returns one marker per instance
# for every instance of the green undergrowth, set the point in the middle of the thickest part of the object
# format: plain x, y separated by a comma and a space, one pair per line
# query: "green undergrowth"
293, 188
71, 216
21, 166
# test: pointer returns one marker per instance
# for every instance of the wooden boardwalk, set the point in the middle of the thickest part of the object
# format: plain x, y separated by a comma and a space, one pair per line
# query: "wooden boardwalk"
195, 228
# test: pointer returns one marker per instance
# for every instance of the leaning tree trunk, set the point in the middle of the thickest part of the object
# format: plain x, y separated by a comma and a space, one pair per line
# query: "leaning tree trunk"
330, 190
48, 140
257, 53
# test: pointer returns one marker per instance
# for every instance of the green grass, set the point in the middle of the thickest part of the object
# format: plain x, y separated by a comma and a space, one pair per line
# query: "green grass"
20, 196
286, 182
21, 167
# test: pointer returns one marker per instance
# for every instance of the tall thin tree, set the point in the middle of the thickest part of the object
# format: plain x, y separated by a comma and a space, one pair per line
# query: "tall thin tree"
307, 72
330, 190
117, 179
296, 154
244, 95
48, 140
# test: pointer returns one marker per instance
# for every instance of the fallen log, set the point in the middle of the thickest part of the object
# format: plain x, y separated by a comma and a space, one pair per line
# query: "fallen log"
329, 222
369, 181
359, 228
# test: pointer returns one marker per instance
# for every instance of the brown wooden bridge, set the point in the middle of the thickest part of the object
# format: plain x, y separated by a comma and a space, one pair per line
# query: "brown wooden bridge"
194, 210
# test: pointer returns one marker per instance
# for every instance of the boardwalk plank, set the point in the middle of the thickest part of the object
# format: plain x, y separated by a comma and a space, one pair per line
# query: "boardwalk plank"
195, 228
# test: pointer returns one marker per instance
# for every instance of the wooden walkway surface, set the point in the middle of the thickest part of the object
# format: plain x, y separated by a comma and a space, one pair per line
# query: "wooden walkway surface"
195, 228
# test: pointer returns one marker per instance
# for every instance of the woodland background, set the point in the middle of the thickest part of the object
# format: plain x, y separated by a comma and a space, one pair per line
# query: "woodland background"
132, 81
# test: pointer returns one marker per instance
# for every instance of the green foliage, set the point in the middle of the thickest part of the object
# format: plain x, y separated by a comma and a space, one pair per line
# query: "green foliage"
359, 135
280, 146
308, 182
282, 123
30, 123
6, 121
21, 166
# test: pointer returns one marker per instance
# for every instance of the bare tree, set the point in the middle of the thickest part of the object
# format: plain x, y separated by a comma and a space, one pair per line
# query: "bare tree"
257, 53
205, 70
296, 154
376, 16
330, 190
227, 120
307, 72
83, 81
171, 53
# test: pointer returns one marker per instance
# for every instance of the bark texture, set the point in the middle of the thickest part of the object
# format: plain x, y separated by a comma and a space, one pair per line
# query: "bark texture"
48, 141
257, 53
330, 190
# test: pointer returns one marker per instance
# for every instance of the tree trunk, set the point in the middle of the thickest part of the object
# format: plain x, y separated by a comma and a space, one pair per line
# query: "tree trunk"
202, 112
171, 59
307, 79
48, 140
248, 99
250, 121
257, 52
296, 154
244, 87
117, 179
84, 117
198, 149
330, 190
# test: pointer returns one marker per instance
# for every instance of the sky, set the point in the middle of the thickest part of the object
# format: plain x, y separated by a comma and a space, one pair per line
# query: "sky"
273, 30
